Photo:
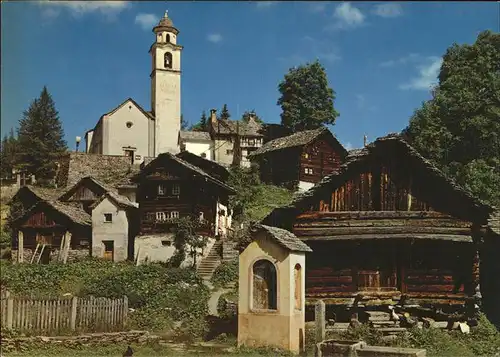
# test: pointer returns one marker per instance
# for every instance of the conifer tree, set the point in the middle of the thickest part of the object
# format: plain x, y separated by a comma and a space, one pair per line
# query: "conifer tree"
41, 138
224, 113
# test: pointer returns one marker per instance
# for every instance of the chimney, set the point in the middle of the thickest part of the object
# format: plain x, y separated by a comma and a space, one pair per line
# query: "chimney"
78, 139
213, 116
251, 116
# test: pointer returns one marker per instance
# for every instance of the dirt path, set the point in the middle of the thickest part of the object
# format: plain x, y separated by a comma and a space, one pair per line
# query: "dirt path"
214, 297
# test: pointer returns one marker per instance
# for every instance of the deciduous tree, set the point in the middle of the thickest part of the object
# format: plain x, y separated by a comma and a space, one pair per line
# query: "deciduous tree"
307, 102
459, 128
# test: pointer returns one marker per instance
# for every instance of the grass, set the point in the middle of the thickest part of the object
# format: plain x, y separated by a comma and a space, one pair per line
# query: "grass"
267, 198
152, 349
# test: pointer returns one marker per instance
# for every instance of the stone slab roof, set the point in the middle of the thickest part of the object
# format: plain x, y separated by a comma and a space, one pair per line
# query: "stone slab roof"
195, 135
284, 238
120, 200
231, 127
297, 139
110, 170
73, 211
188, 166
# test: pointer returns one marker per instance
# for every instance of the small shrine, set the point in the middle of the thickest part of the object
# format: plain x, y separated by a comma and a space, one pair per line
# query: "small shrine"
271, 307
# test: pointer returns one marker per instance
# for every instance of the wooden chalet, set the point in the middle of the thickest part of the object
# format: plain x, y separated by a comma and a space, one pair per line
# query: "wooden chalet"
387, 227
299, 160
52, 230
211, 167
170, 187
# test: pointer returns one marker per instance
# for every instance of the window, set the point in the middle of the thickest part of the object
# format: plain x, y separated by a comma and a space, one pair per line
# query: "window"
167, 60
150, 216
201, 216
264, 285
168, 38
174, 214
308, 171
129, 124
298, 286
176, 189
161, 216
203, 155
229, 152
109, 249
306, 155
108, 217
161, 189
166, 243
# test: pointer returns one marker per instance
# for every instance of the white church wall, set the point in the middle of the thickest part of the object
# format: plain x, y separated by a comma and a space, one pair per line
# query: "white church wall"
128, 127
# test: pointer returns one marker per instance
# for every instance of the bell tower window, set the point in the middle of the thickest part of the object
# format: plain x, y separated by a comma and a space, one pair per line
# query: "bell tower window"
168, 38
168, 60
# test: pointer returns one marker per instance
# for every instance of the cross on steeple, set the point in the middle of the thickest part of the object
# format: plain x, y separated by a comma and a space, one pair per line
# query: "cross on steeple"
166, 14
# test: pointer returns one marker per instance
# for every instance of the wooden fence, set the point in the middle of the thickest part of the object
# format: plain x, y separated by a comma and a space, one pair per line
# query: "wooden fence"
52, 315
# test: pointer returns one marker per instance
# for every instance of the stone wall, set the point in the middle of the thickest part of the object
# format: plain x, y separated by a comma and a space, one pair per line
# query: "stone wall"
73, 254
338, 348
121, 338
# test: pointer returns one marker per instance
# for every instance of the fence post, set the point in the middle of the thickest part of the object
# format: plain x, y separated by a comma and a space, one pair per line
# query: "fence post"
10, 309
74, 303
319, 318
125, 310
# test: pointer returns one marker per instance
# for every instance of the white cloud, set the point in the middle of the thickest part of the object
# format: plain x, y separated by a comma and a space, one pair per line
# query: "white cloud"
348, 16
79, 8
146, 21
427, 75
412, 57
317, 7
390, 9
264, 4
214, 37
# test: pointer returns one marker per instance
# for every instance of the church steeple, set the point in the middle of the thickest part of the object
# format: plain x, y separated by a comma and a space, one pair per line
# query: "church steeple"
166, 85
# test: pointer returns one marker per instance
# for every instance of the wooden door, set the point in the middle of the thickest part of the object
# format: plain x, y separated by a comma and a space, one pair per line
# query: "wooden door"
109, 250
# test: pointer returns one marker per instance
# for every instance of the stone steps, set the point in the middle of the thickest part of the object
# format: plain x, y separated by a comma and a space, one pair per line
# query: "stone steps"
208, 265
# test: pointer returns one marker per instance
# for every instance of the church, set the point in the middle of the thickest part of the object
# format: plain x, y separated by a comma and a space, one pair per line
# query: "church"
132, 131
129, 129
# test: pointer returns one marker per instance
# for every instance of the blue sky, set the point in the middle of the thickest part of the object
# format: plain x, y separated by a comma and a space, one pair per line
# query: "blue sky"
380, 57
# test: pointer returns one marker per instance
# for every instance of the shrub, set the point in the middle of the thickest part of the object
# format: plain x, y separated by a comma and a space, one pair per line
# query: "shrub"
225, 273
159, 295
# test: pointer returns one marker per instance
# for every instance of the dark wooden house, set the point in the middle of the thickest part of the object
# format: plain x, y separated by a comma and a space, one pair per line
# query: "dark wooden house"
211, 167
299, 160
170, 187
387, 227
52, 231
86, 192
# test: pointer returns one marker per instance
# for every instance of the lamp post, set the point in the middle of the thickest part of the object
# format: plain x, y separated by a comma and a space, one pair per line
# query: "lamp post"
78, 139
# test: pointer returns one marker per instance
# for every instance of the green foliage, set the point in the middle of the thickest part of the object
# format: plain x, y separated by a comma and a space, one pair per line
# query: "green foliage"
225, 273
484, 340
459, 128
186, 239
224, 113
202, 124
307, 102
246, 116
254, 200
160, 295
41, 138
8, 154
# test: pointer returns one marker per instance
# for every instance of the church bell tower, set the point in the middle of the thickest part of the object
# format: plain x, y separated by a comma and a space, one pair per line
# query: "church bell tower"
166, 86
